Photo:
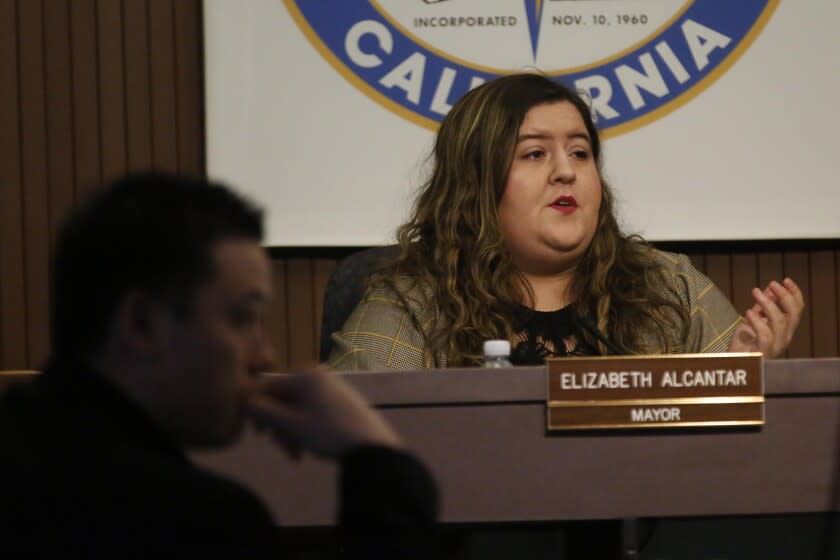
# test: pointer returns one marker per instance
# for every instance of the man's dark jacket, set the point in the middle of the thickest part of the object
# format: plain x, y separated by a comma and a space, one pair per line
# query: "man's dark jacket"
85, 473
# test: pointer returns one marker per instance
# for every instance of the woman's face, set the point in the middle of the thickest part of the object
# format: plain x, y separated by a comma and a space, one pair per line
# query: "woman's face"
549, 208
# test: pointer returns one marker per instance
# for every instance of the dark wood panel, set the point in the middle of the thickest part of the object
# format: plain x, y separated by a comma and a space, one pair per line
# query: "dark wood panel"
303, 344
744, 279
321, 270
34, 176
162, 74
12, 281
770, 267
189, 86
111, 89
276, 318
719, 270
86, 145
59, 112
137, 88
84, 85
796, 266
837, 300
823, 303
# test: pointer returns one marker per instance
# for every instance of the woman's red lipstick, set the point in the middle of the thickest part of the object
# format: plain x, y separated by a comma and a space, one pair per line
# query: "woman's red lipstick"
564, 204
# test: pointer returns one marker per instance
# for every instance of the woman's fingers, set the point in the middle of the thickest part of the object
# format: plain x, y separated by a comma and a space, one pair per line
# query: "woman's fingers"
773, 318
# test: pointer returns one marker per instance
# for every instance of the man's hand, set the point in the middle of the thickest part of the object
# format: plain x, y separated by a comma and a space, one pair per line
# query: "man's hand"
769, 325
318, 411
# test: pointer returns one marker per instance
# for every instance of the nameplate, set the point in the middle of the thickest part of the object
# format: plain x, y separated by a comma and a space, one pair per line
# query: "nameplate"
668, 391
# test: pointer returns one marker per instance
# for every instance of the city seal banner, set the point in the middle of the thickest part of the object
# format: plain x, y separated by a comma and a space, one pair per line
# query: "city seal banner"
637, 60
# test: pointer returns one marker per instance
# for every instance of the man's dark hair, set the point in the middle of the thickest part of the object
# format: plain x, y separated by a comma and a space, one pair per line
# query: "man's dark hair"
149, 232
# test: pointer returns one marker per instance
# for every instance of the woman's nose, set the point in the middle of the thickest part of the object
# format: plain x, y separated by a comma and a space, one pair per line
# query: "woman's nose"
563, 171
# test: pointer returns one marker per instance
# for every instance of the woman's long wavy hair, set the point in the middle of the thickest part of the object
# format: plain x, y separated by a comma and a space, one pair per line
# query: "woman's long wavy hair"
453, 243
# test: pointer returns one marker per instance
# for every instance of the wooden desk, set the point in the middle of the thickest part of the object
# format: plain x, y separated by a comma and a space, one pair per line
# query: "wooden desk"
482, 432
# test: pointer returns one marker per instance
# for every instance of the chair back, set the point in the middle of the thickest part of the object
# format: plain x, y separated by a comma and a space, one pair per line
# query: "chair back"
345, 288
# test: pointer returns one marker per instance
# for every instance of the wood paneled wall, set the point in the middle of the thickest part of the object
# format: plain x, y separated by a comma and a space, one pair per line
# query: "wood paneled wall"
735, 267
90, 89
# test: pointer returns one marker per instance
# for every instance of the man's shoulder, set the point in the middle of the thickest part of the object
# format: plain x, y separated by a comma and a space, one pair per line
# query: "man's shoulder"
152, 512
154, 505
84, 465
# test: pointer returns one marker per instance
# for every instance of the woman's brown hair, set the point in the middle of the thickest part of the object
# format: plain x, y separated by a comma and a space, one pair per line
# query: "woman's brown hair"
453, 243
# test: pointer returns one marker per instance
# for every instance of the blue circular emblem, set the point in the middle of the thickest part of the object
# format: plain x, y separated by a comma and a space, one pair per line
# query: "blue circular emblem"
636, 60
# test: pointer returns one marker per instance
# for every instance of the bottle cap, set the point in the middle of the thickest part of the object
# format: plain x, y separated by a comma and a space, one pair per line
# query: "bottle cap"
497, 348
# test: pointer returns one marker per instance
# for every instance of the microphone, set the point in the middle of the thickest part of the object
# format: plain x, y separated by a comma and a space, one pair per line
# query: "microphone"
587, 323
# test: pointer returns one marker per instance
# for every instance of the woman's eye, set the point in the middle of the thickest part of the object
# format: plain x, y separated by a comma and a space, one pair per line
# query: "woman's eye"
580, 154
534, 154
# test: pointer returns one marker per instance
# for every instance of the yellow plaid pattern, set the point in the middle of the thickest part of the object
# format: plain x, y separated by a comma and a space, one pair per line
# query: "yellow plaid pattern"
384, 334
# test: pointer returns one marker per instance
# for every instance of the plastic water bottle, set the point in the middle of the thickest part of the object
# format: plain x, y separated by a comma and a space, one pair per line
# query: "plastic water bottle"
497, 354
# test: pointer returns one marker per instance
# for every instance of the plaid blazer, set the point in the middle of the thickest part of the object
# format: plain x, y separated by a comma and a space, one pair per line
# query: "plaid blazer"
382, 333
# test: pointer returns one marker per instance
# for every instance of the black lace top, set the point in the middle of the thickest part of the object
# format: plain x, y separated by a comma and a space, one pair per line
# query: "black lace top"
544, 334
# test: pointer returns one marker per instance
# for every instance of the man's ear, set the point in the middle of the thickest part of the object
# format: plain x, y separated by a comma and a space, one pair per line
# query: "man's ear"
141, 324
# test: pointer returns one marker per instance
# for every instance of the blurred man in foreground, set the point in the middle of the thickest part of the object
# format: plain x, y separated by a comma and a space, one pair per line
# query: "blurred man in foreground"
159, 284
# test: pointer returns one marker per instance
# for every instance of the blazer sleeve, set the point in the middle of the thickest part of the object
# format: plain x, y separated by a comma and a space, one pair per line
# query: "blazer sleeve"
712, 316
383, 333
